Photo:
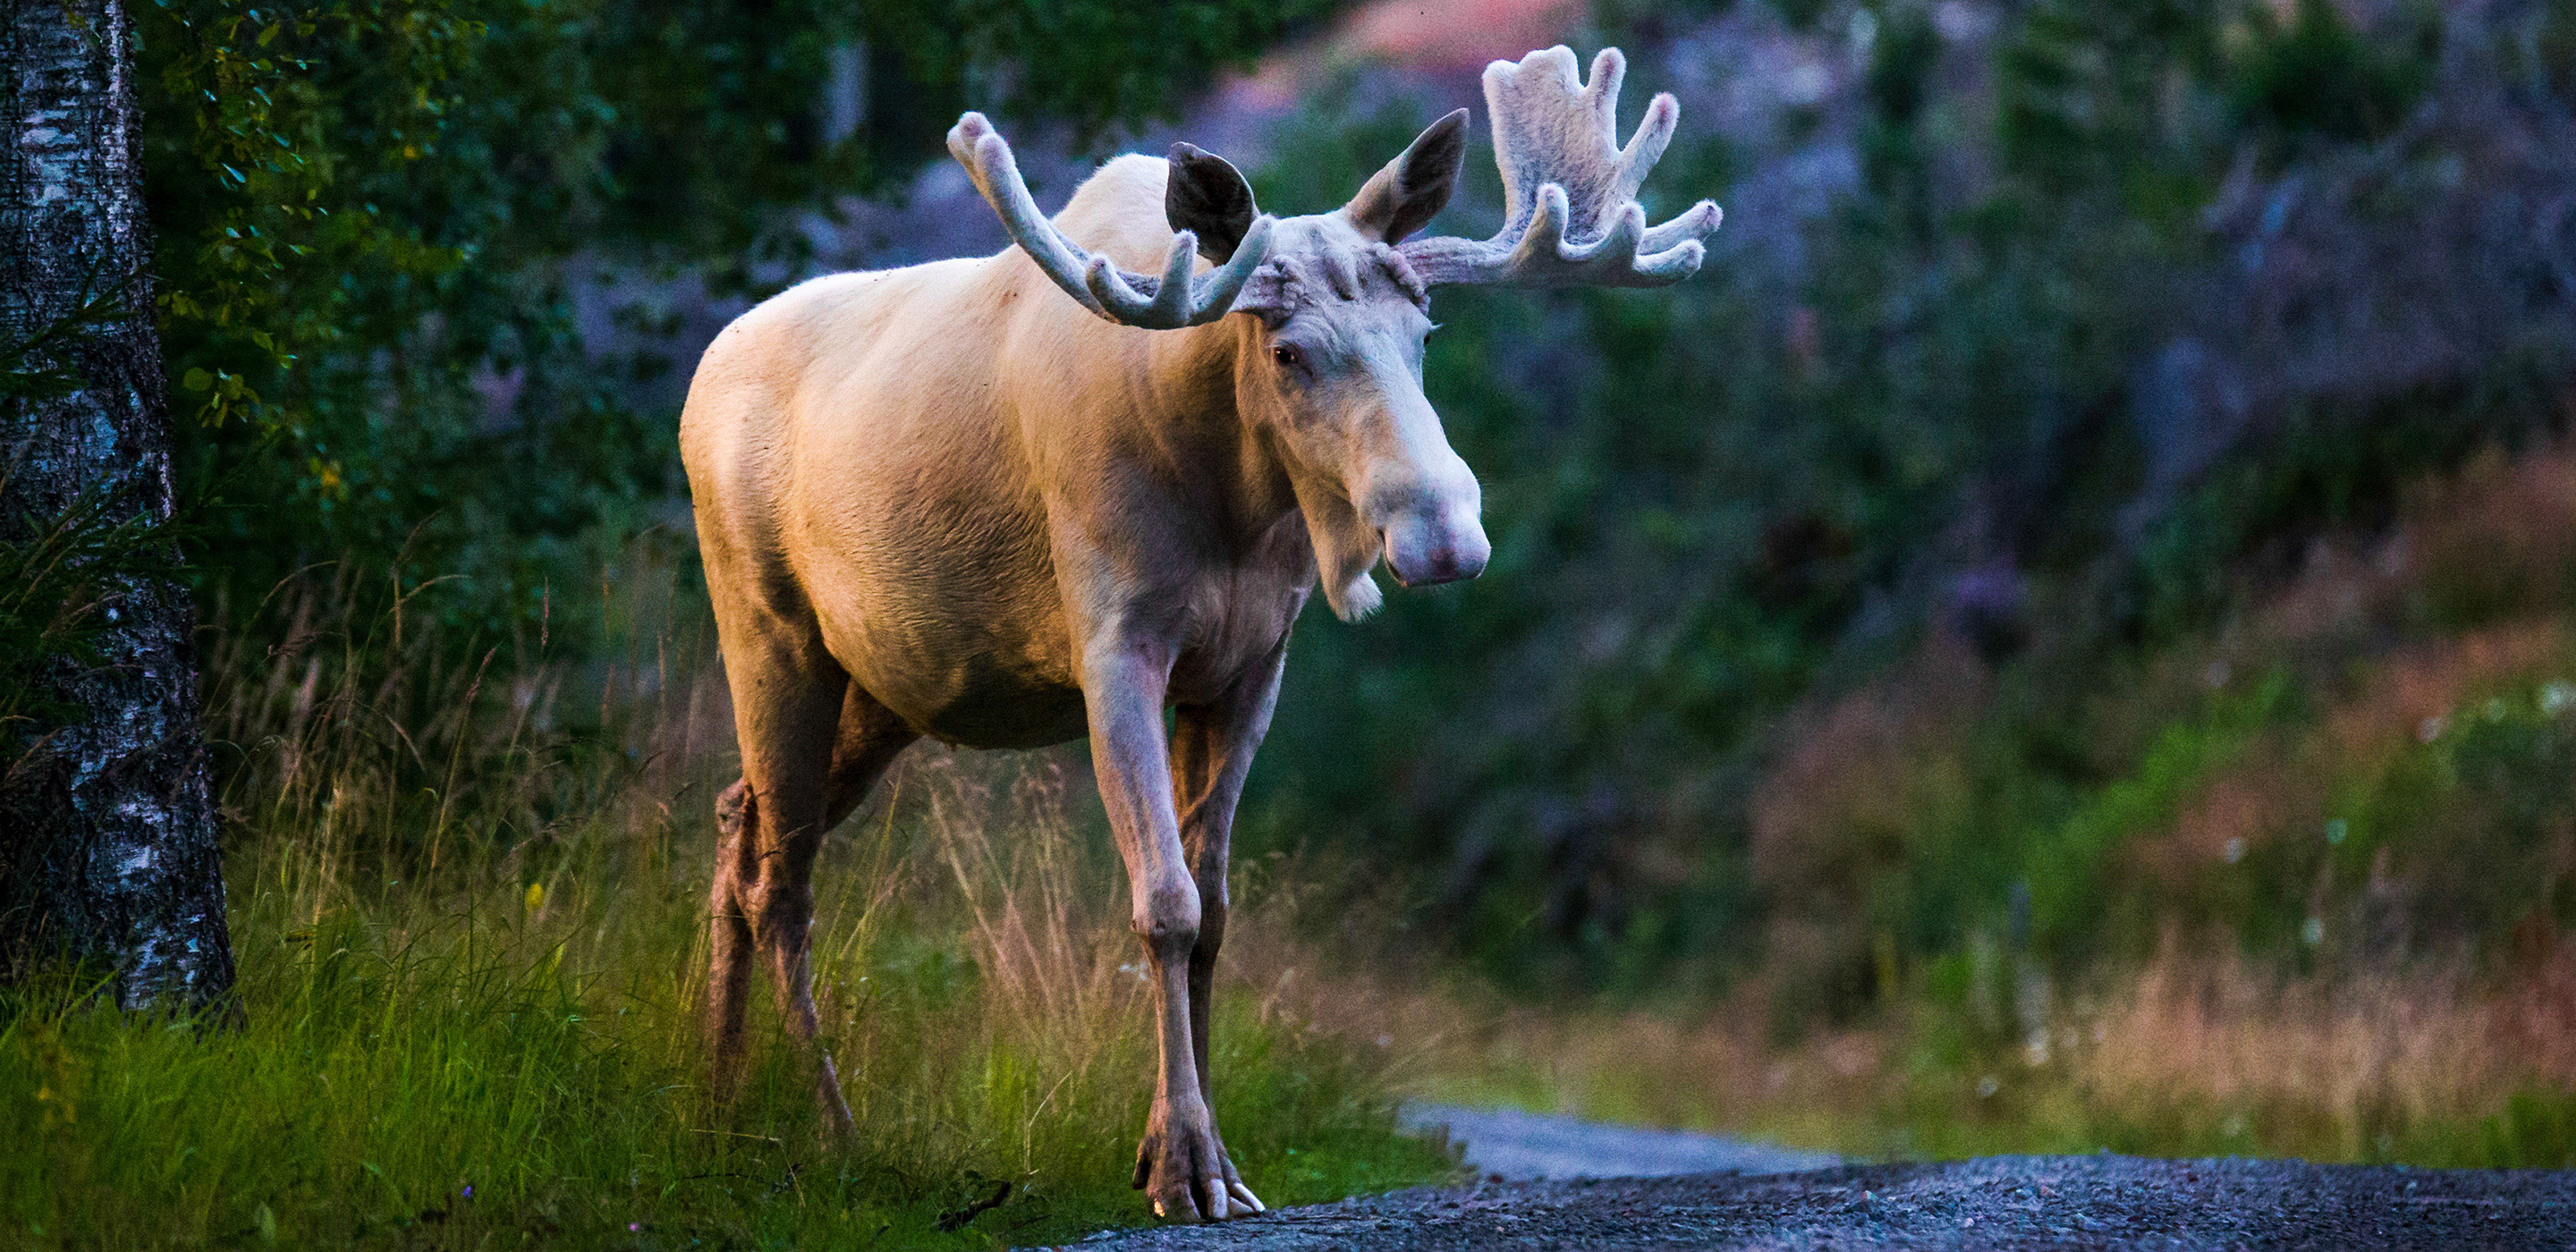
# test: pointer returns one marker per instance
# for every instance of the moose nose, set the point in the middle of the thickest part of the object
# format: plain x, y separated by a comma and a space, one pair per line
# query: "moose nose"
1423, 552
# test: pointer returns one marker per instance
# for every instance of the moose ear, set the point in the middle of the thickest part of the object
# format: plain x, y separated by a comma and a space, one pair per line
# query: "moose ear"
1206, 195
1409, 192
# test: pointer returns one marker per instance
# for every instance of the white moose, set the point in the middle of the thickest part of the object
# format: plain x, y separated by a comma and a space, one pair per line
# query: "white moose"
1013, 500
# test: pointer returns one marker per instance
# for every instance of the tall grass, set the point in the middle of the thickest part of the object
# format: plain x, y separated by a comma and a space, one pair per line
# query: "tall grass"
2184, 1055
468, 903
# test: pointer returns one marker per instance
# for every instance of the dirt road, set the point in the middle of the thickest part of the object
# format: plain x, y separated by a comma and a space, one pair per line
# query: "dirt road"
1999, 1202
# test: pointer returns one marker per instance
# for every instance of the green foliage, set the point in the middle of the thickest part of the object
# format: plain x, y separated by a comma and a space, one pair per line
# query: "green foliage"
2076, 900
2329, 464
377, 219
2472, 820
2536, 1130
2313, 74
2087, 106
2041, 1114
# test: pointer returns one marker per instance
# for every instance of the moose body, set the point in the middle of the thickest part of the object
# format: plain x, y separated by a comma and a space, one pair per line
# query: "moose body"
909, 496
1021, 499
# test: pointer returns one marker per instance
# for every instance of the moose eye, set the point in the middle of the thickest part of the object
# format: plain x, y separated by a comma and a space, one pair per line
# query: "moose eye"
1287, 356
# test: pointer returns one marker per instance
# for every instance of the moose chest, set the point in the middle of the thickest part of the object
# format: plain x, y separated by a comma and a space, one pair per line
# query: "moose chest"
979, 647
1238, 620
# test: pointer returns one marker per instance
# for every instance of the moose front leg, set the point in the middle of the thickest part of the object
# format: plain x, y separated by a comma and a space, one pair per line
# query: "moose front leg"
1180, 1165
1212, 747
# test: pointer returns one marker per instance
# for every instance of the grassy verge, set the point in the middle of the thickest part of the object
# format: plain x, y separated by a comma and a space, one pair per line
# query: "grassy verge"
471, 945
2189, 1055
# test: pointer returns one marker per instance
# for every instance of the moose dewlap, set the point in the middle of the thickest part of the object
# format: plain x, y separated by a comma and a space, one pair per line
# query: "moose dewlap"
1015, 500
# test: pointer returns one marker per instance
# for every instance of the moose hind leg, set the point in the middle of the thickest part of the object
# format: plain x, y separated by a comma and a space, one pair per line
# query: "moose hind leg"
729, 939
866, 739
869, 739
787, 704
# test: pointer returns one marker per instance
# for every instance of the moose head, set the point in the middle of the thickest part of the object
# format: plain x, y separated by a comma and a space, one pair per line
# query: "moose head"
1336, 305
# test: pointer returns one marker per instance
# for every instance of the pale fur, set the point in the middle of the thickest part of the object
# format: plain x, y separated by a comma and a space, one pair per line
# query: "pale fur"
946, 500
952, 500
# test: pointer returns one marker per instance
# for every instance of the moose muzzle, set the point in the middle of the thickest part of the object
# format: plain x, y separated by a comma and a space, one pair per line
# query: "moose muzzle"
1439, 539
1420, 496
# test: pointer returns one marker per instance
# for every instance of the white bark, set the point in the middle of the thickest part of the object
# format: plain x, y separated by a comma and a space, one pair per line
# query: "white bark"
107, 831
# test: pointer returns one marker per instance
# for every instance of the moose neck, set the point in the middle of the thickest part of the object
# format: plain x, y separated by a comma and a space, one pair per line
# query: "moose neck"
1221, 462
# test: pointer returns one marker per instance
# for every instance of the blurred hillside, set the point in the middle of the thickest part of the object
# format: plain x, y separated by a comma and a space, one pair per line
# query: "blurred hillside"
2060, 636
2046, 345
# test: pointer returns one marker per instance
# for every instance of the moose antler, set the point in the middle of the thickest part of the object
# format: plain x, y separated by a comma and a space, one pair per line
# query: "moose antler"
1167, 303
1570, 211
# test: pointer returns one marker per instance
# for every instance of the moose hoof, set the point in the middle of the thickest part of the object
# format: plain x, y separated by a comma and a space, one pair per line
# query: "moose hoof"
1189, 1178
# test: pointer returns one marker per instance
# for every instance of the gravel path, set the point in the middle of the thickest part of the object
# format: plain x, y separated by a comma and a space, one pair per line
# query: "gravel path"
2014, 1202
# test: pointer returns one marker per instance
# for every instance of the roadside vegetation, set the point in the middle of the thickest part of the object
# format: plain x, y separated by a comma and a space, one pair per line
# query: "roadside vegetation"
2316, 906
468, 901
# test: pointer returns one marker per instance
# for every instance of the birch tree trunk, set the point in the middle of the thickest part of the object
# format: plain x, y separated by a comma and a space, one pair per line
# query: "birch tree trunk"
107, 830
